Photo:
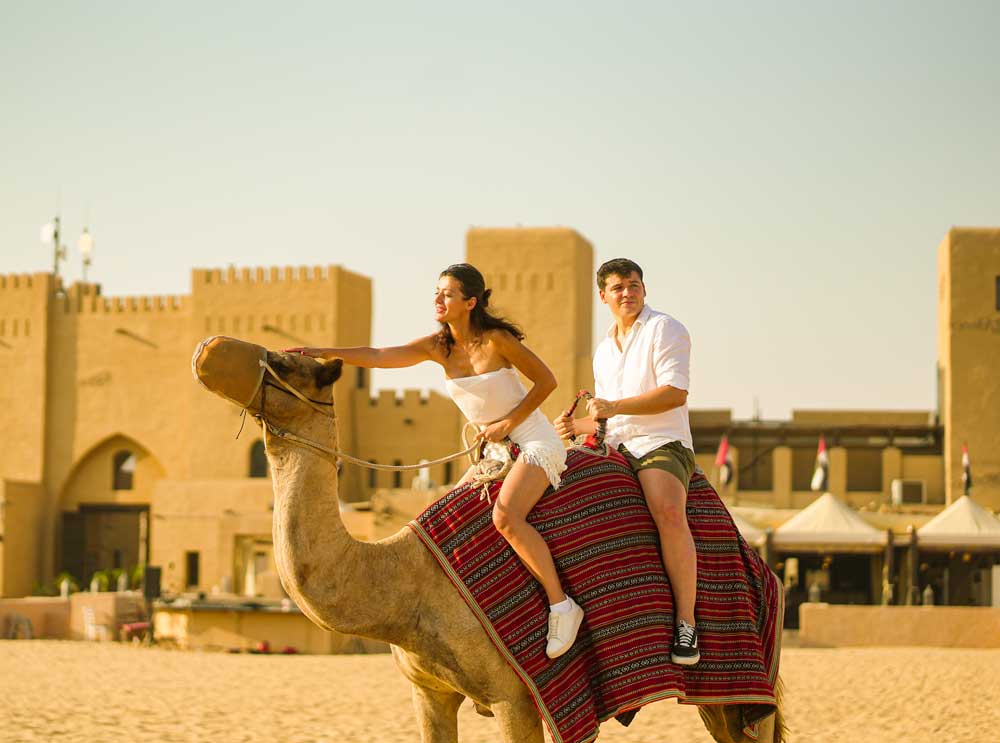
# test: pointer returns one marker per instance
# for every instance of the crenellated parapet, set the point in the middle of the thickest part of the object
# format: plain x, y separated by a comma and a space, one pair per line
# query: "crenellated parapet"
406, 400
23, 305
18, 281
87, 299
260, 275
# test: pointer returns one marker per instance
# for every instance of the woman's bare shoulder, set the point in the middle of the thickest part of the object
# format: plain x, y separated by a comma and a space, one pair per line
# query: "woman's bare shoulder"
499, 336
433, 346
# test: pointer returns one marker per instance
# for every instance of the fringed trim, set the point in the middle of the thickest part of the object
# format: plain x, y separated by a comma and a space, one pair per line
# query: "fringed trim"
553, 463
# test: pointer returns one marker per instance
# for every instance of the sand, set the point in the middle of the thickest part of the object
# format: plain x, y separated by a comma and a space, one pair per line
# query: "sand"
103, 692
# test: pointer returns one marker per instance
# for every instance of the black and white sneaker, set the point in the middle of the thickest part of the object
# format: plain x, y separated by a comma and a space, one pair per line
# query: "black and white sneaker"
685, 651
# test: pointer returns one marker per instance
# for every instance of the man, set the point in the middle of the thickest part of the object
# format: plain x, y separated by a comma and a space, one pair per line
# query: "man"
641, 374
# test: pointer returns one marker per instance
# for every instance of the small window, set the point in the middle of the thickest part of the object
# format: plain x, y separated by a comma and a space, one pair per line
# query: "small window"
123, 470
361, 378
998, 293
258, 460
372, 476
397, 476
448, 472
192, 570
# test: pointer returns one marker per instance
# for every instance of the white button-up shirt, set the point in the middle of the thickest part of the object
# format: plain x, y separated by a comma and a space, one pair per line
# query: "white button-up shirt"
655, 352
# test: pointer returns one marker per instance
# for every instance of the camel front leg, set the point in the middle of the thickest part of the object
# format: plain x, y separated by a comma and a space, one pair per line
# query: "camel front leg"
437, 714
519, 721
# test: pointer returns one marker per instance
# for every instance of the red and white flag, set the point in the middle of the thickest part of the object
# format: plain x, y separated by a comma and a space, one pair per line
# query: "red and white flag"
819, 481
724, 462
966, 470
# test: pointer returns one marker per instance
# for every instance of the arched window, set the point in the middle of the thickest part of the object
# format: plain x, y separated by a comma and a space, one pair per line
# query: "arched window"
122, 470
258, 460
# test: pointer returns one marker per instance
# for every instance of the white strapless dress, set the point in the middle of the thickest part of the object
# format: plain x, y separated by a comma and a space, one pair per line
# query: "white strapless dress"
485, 398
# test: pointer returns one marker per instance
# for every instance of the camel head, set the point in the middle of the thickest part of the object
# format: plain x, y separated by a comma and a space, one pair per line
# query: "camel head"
234, 370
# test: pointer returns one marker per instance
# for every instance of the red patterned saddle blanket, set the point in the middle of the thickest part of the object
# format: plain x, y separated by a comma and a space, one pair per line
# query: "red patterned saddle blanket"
606, 549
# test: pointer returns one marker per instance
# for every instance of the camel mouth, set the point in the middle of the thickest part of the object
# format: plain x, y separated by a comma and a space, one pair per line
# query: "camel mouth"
230, 368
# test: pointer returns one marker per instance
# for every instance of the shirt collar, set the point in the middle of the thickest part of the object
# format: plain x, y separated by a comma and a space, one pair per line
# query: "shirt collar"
643, 317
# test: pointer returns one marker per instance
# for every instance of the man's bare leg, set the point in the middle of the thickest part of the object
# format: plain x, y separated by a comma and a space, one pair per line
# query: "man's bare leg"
667, 500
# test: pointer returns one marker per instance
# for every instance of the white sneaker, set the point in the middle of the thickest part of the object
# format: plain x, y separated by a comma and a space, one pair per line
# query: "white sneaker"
562, 630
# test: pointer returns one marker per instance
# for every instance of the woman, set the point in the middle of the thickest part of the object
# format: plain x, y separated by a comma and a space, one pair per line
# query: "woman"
481, 354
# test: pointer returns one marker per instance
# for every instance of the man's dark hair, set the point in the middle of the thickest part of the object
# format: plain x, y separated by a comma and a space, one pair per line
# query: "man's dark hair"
616, 267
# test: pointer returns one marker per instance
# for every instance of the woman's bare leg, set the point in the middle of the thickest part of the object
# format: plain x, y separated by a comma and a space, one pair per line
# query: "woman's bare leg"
521, 490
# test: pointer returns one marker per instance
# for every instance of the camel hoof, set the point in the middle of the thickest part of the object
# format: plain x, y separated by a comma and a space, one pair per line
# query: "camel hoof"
484, 711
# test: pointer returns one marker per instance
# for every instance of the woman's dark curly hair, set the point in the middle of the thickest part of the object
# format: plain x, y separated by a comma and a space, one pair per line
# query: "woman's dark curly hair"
474, 285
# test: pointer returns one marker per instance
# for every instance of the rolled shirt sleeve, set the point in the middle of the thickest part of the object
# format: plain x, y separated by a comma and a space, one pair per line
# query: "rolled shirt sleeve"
671, 355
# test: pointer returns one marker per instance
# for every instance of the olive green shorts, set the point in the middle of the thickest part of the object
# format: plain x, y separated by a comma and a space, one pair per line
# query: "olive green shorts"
672, 457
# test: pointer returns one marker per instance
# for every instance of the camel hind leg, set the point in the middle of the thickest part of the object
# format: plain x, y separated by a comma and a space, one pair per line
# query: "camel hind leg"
437, 714
725, 722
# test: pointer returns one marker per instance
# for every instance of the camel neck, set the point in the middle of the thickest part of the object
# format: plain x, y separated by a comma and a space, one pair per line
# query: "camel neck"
338, 582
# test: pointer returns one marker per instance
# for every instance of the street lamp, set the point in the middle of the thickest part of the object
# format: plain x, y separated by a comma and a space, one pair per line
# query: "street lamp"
50, 236
86, 247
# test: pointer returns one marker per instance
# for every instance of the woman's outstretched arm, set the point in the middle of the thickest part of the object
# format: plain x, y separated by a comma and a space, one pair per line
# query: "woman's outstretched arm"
394, 357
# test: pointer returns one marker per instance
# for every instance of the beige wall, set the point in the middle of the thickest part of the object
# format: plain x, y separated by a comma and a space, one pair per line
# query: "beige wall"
828, 625
407, 427
206, 516
21, 531
225, 629
842, 418
892, 463
49, 615
543, 279
969, 359
24, 311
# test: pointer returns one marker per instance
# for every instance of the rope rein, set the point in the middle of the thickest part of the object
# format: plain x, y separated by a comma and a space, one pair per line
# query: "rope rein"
289, 436
484, 470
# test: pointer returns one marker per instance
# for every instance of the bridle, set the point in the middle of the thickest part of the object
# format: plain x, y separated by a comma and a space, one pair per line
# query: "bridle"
267, 373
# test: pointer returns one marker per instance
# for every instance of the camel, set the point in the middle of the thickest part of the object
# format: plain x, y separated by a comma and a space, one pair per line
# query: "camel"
391, 590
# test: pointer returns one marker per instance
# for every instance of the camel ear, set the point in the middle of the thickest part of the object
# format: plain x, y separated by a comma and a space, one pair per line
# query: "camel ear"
329, 372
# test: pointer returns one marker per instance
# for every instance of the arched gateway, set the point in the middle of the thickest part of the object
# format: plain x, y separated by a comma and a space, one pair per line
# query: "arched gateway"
105, 508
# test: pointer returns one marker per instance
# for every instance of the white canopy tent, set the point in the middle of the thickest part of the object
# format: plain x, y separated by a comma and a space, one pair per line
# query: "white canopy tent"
753, 536
962, 525
831, 525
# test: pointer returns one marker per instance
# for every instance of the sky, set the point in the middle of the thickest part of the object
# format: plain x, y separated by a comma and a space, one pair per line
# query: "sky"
783, 171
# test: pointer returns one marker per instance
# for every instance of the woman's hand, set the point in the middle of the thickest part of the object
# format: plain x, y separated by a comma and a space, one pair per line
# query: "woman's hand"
497, 431
598, 408
316, 353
